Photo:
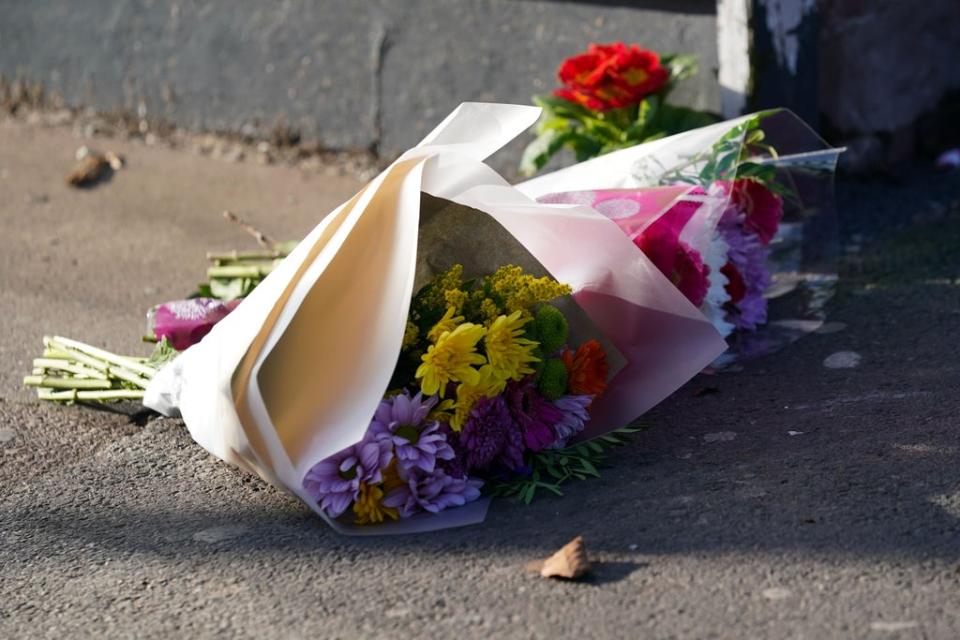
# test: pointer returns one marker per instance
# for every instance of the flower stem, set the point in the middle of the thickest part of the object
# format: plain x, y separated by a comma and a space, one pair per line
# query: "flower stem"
74, 395
239, 271
241, 256
58, 342
128, 376
69, 367
51, 382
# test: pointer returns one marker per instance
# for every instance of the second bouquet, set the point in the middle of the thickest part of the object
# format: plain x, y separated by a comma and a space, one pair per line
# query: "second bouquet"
436, 338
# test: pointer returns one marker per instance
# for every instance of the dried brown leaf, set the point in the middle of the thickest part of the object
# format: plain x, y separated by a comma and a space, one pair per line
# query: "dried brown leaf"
569, 563
91, 168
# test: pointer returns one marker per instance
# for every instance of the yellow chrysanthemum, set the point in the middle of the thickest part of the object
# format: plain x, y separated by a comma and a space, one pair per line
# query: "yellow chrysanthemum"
451, 359
448, 322
442, 411
508, 352
368, 508
488, 384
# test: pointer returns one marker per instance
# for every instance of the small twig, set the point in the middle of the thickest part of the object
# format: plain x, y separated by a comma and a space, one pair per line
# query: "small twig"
262, 239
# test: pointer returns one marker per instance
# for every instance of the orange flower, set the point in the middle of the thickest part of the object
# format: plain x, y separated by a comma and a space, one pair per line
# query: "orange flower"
586, 369
609, 76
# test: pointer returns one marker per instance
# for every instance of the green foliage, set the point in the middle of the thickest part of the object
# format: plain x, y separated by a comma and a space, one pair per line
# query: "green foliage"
552, 468
163, 353
737, 154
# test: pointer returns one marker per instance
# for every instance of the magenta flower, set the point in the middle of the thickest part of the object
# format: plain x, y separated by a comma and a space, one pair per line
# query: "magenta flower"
762, 209
574, 418
431, 492
401, 420
534, 414
185, 322
490, 436
335, 482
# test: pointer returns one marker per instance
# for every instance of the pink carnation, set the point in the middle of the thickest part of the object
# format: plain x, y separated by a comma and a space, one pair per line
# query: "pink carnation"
676, 260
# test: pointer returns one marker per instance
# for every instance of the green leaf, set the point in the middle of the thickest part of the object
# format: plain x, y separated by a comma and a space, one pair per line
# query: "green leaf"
551, 487
563, 108
553, 124
230, 289
538, 153
673, 119
647, 112
681, 66
588, 467
584, 146
163, 353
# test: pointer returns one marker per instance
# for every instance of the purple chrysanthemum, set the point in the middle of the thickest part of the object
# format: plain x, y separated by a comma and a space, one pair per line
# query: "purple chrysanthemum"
401, 420
575, 416
455, 467
431, 492
748, 256
335, 482
534, 414
490, 436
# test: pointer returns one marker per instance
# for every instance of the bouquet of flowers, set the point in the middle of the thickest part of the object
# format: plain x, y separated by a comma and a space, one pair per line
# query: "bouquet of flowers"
613, 96
437, 337
735, 215
444, 335
486, 380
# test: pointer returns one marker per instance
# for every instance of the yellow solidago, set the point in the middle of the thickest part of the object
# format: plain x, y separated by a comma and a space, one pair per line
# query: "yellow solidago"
455, 298
410, 335
448, 322
521, 291
367, 507
435, 296
508, 352
489, 310
451, 359
488, 385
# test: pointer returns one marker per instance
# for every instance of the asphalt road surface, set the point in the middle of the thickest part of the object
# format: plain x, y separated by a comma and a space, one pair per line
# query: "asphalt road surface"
786, 500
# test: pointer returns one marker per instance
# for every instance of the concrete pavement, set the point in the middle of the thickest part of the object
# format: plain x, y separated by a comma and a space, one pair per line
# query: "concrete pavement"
795, 501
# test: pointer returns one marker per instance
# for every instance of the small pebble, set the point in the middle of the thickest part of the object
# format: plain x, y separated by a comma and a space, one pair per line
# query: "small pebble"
219, 534
842, 360
6, 435
720, 436
776, 593
883, 625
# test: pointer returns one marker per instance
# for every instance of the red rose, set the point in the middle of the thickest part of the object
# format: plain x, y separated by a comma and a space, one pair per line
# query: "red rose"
611, 76
763, 208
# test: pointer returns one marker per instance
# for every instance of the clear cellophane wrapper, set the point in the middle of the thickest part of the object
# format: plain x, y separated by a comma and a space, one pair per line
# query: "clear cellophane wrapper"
683, 181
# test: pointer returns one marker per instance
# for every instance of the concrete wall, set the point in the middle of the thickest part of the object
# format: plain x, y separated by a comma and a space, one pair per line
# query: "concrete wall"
351, 73
887, 69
